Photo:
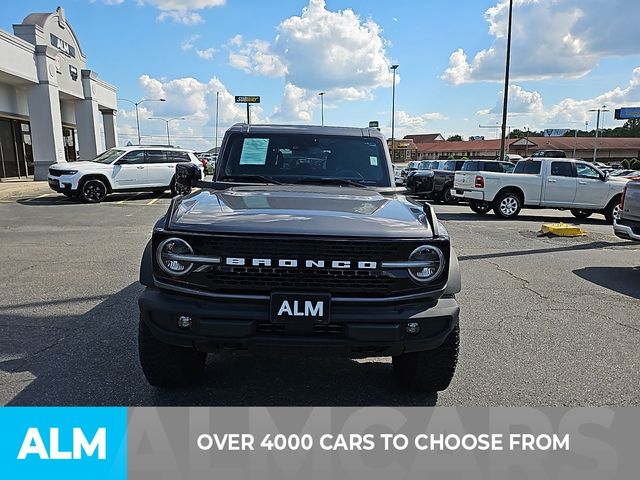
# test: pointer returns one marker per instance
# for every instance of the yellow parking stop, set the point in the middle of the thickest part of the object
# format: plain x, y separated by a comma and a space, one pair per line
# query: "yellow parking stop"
562, 230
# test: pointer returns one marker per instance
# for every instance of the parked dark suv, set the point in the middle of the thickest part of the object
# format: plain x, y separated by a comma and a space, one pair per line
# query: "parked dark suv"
302, 242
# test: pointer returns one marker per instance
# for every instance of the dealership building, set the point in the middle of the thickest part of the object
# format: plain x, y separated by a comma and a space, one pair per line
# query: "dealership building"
52, 108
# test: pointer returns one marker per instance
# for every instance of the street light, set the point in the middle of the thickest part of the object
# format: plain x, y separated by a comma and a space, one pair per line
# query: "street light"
167, 120
595, 143
321, 94
138, 103
393, 114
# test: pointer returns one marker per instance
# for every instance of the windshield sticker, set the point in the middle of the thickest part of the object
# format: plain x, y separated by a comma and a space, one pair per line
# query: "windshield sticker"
254, 151
373, 161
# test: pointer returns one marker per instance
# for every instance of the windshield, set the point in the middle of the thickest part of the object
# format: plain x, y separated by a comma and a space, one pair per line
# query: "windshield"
109, 156
291, 158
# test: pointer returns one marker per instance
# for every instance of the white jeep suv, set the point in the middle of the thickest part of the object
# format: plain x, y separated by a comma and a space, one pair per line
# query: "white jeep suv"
121, 169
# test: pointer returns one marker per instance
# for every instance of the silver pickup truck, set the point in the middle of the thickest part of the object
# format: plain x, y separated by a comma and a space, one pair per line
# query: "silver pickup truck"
628, 224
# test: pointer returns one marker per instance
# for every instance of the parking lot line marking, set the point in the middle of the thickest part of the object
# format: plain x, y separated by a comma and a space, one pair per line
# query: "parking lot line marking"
128, 198
45, 195
153, 200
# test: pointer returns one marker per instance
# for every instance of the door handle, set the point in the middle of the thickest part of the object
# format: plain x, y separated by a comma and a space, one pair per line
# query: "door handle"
551, 180
582, 183
139, 168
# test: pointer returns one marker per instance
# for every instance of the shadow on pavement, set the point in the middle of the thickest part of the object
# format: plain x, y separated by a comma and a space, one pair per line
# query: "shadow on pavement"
624, 280
91, 359
111, 198
572, 247
470, 216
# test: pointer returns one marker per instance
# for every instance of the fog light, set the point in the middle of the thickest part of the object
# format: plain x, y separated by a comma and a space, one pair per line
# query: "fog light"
184, 322
413, 328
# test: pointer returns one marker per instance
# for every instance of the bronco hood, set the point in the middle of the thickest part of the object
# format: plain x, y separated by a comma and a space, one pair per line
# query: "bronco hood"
300, 210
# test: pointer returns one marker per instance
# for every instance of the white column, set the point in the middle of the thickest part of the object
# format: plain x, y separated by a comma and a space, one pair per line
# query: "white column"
88, 125
44, 114
110, 130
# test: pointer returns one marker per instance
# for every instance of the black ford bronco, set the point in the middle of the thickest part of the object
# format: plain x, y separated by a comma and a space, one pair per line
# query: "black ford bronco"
301, 241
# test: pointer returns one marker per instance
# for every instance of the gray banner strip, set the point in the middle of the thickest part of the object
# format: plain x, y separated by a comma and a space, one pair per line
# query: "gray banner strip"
421, 443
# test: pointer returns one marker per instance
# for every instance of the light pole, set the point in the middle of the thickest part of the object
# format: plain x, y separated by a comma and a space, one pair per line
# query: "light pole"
595, 143
217, 109
393, 114
138, 103
167, 120
506, 84
321, 94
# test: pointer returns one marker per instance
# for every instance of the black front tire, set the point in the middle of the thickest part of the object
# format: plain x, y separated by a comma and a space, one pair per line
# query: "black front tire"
581, 213
430, 370
93, 190
167, 365
612, 211
507, 205
481, 208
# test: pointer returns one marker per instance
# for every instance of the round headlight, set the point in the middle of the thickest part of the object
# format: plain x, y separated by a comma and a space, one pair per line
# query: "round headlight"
429, 263
169, 255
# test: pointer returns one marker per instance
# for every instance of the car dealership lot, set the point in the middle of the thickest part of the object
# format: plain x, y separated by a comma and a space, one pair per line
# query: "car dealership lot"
545, 321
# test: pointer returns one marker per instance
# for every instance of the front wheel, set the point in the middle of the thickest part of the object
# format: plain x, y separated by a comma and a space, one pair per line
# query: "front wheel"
507, 205
430, 370
612, 211
479, 207
581, 213
167, 365
93, 190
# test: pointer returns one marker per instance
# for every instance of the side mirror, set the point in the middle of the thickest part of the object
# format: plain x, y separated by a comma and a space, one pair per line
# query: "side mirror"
605, 176
187, 175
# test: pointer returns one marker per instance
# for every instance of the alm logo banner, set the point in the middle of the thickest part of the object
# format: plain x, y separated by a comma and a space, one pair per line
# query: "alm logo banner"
63, 442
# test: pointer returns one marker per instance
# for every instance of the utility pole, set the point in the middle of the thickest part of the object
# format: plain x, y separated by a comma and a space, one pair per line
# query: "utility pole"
167, 121
321, 94
506, 84
393, 114
526, 147
217, 106
595, 143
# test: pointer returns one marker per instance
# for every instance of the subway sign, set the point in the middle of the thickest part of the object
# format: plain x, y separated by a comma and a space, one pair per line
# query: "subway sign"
247, 99
627, 113
63, 46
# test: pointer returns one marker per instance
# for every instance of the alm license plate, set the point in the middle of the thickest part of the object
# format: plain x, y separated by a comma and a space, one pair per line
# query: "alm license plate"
292, 307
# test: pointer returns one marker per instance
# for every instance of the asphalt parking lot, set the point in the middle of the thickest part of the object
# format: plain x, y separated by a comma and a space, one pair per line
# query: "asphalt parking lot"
545, 321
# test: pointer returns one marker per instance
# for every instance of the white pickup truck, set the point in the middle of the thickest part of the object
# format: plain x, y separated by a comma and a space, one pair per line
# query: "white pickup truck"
542, 183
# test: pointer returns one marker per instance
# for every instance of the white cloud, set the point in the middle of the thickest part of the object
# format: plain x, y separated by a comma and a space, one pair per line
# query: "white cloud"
550, 39
256, 57
569, 111
521, 101
181, 16
406, 123
320, 50
297, 105
185, 97
188, 44
206, 54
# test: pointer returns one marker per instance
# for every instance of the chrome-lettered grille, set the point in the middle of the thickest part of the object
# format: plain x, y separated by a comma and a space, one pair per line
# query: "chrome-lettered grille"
343, 282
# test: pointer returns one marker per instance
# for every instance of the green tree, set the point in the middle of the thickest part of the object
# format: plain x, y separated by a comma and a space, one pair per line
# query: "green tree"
635, 164
455, 138
626, 164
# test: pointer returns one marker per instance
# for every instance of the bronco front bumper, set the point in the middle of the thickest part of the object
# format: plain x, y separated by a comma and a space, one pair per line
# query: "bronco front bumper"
354, 329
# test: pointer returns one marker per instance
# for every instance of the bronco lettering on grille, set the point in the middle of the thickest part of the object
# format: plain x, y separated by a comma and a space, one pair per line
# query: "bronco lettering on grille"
293, 263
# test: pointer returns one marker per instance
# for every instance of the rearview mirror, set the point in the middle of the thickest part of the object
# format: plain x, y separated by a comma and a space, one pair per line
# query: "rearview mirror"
187, 174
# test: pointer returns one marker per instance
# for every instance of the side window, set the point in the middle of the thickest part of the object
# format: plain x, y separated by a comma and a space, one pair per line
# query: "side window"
492, 167
528, 167
133, 158
585, 171
562, 169
177, 157
449, 166
507, 167
156, 156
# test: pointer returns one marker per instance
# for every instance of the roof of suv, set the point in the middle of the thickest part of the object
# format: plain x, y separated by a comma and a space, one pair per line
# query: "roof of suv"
307, 130
128, 148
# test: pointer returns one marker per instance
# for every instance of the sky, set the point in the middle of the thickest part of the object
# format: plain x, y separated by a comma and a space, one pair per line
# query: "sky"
568, 56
